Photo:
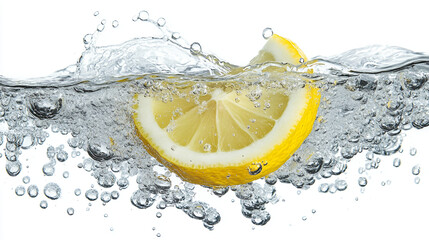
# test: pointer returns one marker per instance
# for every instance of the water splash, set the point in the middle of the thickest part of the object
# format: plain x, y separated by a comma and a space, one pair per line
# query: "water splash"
370, 96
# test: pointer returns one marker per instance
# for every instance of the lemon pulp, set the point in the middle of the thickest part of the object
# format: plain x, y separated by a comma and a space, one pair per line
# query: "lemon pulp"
221, 138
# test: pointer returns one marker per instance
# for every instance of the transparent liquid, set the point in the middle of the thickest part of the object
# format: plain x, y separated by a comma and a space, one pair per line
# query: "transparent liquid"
370, 96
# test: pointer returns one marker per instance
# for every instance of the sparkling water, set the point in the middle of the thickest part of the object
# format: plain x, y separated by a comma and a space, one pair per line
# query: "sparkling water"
370, 97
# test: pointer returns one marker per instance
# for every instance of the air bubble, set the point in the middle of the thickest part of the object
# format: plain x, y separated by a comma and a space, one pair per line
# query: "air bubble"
396, 162
32, 191
416, 180
416, 170
195, 48
158, 215
13, 168
91, 194
413, 151
301, 60
70, 211
66, 174
20, 190
100, 27
115, 23
175, 35
323, 188
43, 204
207, 147
52, 191
115, 195
26, 179
161, 22
96, 13
105, 197
362, 181
255, 168
267, 33
77, 192
48, 169
143, 15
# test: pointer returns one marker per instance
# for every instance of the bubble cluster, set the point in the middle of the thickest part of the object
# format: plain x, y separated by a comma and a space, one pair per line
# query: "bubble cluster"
361, 111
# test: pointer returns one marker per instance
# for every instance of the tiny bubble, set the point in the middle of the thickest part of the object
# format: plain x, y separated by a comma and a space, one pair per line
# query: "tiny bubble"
115, 23
396, 162
313, 211
195, 48
96, 13
161, 22
175, 35
301, 60
100, 27
413, 151
65, 174
267, 33
416, 170
158, 215
304, 218
26, 179
70, 211
158, 234
43, 204
417, 180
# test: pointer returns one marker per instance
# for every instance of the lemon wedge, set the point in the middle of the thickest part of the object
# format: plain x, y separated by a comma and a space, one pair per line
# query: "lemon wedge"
222, 139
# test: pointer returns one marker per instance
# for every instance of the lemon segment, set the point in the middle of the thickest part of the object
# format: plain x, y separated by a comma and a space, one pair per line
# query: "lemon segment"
279, 49
226, 137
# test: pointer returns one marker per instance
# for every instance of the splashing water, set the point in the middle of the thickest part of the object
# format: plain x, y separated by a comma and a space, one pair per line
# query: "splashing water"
370, 96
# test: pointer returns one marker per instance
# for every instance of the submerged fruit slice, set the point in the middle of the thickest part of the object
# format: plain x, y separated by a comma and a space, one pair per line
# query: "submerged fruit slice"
224, 139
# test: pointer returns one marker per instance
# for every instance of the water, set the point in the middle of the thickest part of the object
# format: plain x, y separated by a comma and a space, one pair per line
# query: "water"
370, 97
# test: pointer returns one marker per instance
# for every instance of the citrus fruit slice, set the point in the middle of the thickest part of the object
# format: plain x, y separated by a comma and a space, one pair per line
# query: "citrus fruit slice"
220, 138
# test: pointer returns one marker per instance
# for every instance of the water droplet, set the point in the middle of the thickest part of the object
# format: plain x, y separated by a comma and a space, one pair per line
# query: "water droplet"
115, 195
100, 27
96, 13
416, 180
13, 168
396, 162
66, 174
52, 191
45, 107
26, 179
416, 170
48, 169
158, 215
323, 188
20, 190
143, 15
115, 23
62, 156
207, 147
255, 168
43, 204
105, 197
91, 194
70, 211
175, 35
77, 192
161, 22
413, 151
267, 33
362, 181
142, 199
260, 217
195, 48
32, 191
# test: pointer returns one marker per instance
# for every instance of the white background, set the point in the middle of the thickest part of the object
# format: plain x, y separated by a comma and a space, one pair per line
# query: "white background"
39, 37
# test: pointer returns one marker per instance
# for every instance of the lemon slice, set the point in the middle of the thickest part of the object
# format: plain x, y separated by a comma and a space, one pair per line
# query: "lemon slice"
221, 138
